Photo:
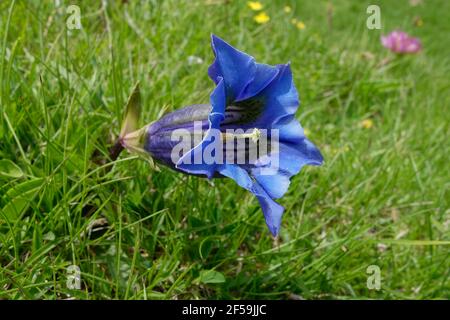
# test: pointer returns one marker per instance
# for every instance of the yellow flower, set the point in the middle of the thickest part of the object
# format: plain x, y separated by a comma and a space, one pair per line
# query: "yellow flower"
367, 123
287, 9
255, 5
300, 25
294, 21
261, 18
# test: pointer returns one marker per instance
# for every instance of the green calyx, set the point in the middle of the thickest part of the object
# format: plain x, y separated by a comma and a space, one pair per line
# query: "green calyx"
131, 137
132, 113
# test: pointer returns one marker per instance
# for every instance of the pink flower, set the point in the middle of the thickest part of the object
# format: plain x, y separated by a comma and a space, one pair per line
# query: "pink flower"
400, 42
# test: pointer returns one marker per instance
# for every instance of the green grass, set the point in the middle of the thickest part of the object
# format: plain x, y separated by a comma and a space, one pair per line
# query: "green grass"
381, 198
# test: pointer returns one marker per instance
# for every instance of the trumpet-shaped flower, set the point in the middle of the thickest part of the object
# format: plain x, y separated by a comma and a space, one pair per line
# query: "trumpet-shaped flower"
251, 103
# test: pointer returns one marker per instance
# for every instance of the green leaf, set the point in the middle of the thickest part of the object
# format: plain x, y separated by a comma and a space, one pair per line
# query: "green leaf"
9, 169
415, 242
19, 197
22, 188
211, 276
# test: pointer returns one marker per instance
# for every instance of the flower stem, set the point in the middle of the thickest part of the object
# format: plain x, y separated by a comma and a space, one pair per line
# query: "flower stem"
115, 150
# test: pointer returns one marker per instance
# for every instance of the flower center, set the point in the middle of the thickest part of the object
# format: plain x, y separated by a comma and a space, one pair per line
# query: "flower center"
254, 135
243, 112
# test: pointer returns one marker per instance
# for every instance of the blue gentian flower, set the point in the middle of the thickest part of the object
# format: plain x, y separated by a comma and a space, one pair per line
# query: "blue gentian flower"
248, 96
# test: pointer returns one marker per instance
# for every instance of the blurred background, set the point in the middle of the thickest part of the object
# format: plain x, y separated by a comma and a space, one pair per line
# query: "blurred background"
372, 222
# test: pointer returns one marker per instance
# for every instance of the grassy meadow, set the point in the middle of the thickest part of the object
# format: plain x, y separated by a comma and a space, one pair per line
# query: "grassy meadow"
382, 122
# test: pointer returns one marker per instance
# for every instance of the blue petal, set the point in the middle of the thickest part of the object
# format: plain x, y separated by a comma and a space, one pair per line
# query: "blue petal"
272, 211
235, 67
290, 130
182, 118
263, 76
187, 161
188, 164
291, 158
244, 78
275, 185
281, 98
218, 100
238, 174
291, 135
